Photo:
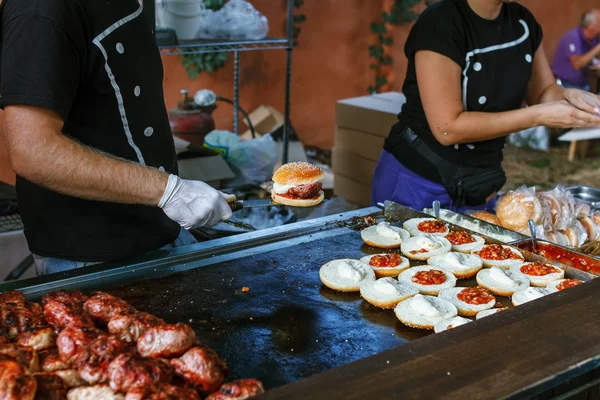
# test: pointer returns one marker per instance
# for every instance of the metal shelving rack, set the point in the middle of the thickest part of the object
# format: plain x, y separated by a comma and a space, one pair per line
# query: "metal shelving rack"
236, 47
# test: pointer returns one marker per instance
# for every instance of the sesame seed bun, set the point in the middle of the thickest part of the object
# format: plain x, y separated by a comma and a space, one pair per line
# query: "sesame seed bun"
298, 173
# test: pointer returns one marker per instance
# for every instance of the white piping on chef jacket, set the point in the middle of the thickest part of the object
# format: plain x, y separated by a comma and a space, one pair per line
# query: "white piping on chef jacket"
97, 41
487, 50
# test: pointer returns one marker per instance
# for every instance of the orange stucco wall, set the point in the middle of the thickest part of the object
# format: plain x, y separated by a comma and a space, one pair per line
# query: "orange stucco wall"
330, 63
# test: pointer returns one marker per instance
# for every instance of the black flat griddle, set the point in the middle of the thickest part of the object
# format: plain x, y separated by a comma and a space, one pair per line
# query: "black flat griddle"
287, 327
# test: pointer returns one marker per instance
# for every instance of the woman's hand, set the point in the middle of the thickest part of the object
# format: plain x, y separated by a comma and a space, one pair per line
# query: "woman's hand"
563, 115
583, 100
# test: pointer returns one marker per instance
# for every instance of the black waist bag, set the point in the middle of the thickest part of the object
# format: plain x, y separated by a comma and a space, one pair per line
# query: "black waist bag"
466, 185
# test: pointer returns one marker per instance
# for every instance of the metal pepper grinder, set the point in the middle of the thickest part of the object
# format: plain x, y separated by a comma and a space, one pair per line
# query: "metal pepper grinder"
191, 122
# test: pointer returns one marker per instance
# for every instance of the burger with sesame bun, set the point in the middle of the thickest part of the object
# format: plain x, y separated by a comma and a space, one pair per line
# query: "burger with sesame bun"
298, 184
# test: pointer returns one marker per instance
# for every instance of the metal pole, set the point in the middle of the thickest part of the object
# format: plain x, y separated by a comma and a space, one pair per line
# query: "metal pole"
236, 90
288, 80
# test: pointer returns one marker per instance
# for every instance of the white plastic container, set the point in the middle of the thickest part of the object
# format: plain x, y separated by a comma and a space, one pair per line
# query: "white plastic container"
184, 16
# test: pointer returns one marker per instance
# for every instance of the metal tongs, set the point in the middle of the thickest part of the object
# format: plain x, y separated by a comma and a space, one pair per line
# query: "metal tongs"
436, 208
532, 230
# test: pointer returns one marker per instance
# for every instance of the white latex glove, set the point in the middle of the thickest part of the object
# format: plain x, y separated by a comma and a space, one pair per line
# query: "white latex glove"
194, 204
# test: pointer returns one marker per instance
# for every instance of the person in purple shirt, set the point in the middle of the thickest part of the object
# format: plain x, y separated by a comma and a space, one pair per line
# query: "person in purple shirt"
577, 50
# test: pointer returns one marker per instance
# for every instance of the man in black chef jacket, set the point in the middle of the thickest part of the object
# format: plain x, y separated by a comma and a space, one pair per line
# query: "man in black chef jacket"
88, 135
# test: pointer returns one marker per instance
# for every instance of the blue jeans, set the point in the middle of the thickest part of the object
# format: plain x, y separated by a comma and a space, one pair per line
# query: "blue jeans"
49, 265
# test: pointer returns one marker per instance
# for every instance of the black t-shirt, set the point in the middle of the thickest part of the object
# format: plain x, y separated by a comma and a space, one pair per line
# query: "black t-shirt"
96, 64
495, 57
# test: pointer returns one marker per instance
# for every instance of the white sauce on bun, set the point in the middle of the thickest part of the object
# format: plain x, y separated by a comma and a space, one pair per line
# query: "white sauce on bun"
502, 282
386, 292
425, 246
461, 265
529, 294
424, 312
345, 275
384, 235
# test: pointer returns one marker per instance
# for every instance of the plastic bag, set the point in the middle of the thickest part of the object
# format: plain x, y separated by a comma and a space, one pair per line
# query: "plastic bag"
576, 234
561, 206
592, 229
516, 208
237, 20
536, 138
252, 161
582, 209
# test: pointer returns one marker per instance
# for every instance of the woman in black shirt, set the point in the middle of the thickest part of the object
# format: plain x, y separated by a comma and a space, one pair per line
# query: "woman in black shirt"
472, 64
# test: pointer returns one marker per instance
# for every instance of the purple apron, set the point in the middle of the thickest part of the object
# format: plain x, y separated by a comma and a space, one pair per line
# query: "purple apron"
393, 181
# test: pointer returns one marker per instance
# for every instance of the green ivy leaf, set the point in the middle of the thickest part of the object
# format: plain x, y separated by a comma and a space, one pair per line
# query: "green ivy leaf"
380, 81
387, 60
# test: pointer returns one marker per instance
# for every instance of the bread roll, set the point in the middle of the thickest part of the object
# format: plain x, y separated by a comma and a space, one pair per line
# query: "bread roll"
515, 209
450, 323
464, 308
424, 312
386, 292
486, 216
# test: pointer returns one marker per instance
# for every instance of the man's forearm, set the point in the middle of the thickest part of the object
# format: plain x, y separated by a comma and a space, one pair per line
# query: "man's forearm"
582, 61
41, 154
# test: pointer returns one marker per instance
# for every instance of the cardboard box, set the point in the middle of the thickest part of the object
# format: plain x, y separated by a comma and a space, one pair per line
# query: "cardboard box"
213, 170
354, 192
352, 166
370, 114
362, 124
265, 119
364, 144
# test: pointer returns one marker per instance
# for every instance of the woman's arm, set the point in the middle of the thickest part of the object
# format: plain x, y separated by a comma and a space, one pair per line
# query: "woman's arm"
439, 80
543, 88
